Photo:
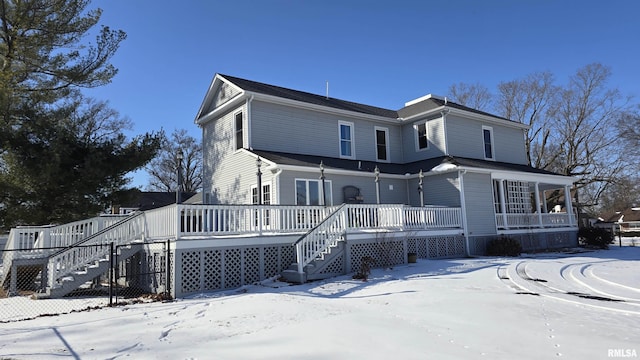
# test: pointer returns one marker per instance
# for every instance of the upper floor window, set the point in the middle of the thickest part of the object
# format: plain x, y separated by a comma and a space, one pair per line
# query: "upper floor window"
487, 138
422, 136
382, 143
237, 127
346, 139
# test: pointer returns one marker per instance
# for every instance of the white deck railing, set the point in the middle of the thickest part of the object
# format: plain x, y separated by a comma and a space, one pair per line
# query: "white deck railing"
347, 218
219, 220
530, 221
66, 261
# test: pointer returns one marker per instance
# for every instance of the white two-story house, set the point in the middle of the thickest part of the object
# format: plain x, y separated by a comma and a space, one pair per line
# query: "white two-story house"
461, 156
309, 186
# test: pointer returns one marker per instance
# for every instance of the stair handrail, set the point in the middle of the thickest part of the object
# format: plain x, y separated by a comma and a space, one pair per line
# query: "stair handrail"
320, 238
67, 260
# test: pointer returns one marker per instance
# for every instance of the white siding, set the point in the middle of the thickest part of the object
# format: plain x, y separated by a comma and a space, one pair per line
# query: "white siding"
441, 190
465, 140
479, 204
435, 130
287, 129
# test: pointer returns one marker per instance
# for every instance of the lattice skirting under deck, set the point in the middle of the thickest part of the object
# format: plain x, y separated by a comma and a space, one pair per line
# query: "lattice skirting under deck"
393, 251
211, 269
529, 241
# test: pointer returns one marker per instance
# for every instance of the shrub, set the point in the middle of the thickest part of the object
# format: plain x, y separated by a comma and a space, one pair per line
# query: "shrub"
504, 246
365, 268
596, 237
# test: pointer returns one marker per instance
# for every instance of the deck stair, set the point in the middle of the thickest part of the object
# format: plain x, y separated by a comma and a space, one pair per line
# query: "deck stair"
71, 266
318, 248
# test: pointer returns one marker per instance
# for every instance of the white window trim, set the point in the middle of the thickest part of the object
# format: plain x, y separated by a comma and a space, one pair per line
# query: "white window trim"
386, 140
235, 130
493, 150
255, 186
416, 137
327, 184
353, 139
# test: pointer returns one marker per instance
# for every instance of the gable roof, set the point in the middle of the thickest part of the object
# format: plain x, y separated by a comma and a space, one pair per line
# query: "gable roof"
412, 109
277, 91
392, 168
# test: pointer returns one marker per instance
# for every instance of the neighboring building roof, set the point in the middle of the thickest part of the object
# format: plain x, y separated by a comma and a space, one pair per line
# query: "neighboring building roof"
626, 215
392, 168
147, 200
257, 87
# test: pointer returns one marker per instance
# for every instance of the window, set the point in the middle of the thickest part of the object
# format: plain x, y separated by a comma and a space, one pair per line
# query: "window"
309, 192
487, 138
266, 194
382, 143
422, 137
346, 139
266, 200
238, 131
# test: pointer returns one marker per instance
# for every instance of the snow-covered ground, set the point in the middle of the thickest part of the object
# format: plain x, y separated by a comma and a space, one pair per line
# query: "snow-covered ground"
582, 305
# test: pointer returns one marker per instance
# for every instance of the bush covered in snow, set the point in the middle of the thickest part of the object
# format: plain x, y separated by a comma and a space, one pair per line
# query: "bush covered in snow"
504, 246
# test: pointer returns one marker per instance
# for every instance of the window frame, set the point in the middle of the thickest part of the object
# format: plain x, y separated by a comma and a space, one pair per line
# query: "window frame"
491, 143
236, 130
417, 135
352, 141
387, 151
328, 188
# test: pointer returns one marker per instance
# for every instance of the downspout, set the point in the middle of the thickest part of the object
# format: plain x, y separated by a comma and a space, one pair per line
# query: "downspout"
276, 185
250, 130
463, 211
444, 113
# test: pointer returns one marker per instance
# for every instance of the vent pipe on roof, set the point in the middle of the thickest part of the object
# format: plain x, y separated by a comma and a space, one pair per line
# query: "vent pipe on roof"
327, 89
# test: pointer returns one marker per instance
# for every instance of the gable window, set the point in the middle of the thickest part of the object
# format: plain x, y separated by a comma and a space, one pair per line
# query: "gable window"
237, 127
422, 136
382, 143
346, 139
487, 138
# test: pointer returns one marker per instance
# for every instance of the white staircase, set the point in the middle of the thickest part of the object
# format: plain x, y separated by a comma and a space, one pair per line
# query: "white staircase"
84, 255
318, 248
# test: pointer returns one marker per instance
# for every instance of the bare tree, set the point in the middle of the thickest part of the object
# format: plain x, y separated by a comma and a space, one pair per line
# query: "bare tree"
527, 101
581, 127
475, 96
163, 169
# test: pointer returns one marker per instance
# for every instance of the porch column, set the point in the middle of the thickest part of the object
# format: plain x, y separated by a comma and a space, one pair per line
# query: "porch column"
567, 203
503, 205
538, 210
545, 209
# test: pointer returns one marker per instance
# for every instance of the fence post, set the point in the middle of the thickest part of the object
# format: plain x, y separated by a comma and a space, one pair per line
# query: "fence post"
111, 274
168, 269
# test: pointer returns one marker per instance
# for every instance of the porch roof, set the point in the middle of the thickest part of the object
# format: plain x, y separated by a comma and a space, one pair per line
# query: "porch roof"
313, 161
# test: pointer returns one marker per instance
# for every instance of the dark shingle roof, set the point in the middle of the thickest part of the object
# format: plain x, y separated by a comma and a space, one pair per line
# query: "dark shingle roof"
306, 97
434, 103
391, 168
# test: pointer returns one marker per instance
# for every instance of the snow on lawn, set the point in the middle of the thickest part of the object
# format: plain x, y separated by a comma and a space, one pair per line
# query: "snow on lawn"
577, 306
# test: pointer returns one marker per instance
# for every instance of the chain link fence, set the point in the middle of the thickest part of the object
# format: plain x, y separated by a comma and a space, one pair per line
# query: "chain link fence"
127, 274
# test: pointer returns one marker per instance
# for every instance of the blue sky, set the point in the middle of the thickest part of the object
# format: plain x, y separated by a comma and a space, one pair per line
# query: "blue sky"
381, 53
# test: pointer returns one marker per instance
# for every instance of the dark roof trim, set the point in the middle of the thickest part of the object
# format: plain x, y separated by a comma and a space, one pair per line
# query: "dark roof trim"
392, 168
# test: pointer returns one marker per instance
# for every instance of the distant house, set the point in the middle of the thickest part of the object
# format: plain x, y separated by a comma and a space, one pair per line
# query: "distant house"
626, 221
147, 200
